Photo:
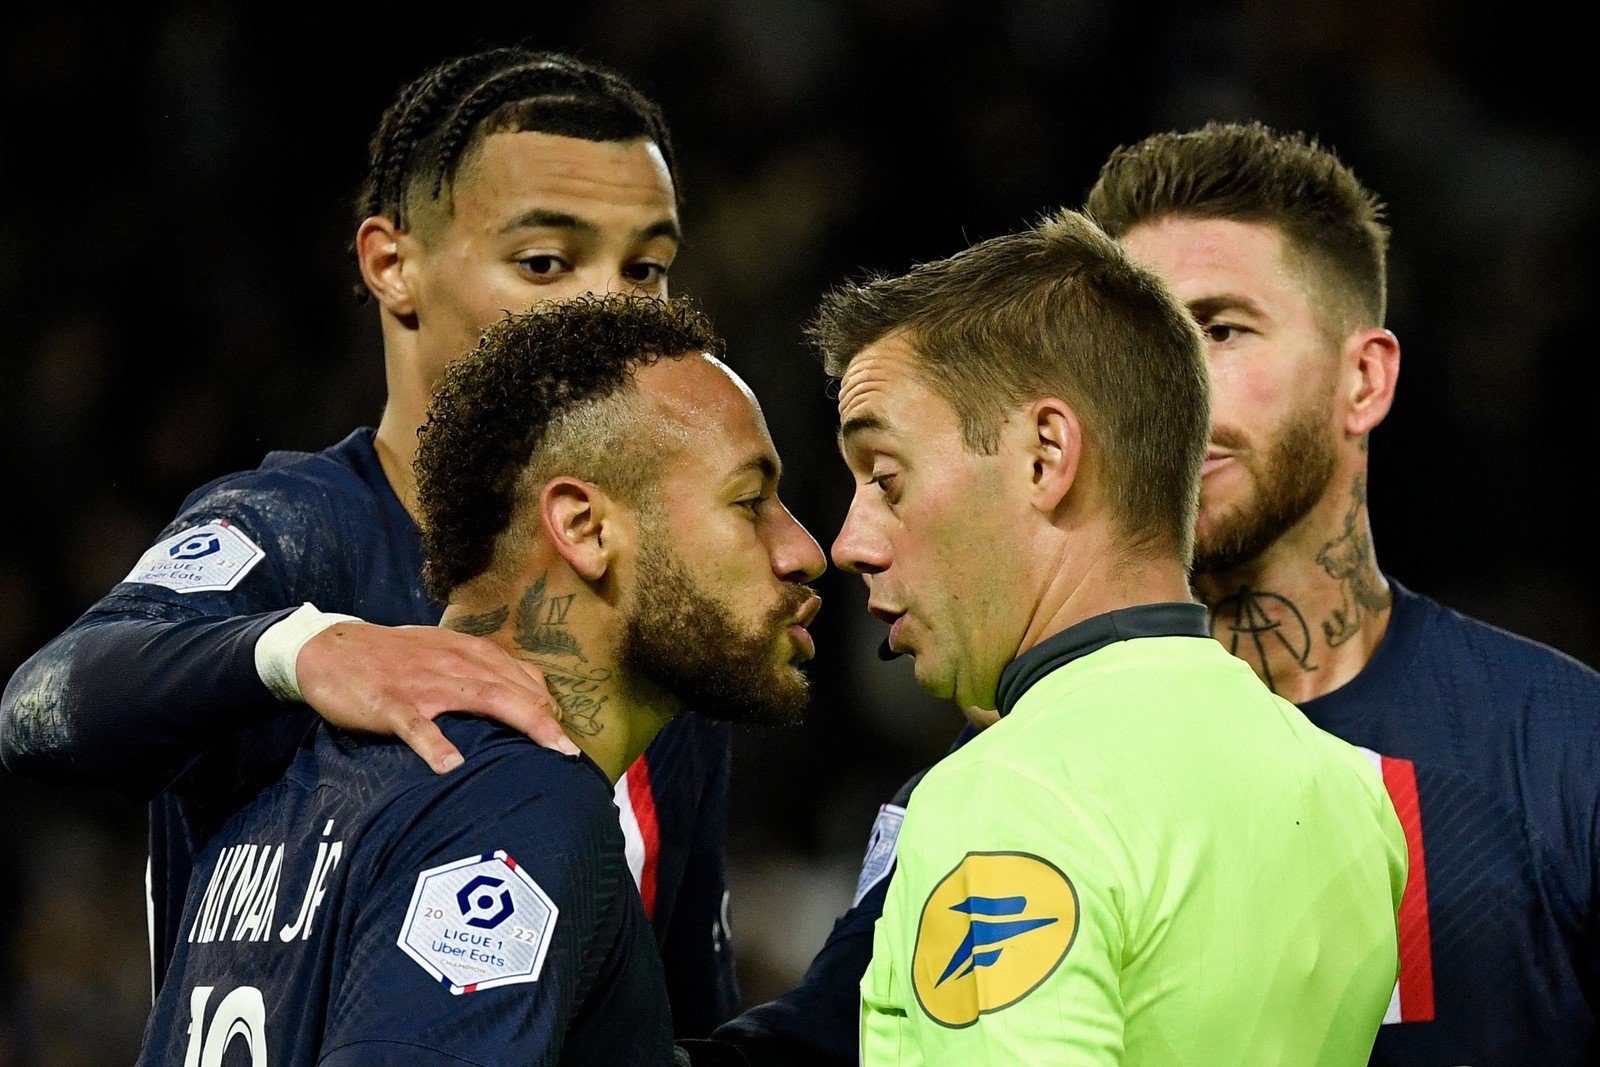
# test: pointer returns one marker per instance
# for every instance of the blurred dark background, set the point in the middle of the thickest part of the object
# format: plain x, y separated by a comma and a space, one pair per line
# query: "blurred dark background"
175, 182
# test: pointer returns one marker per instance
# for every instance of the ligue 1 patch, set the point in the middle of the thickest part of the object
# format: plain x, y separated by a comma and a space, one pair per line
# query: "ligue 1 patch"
210, 558
992, 931
478, 923
880, 849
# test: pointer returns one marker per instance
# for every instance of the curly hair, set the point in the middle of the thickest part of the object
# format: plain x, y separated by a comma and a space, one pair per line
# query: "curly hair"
546, 392
438, 117
1250, 172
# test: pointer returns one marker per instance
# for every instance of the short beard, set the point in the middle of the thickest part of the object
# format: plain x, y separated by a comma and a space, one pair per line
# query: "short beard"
1288, 482
690, 644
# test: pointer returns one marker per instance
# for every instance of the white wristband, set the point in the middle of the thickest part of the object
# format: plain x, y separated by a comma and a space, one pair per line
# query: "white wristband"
278, 649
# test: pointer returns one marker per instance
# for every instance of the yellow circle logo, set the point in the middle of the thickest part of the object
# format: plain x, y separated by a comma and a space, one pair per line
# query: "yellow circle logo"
992, 930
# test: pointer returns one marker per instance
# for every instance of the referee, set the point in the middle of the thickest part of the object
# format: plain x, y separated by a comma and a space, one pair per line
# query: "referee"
1150, 858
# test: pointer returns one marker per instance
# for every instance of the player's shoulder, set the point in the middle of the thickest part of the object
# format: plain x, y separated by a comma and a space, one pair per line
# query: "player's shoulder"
287, 482
1449, 646
690, 732
504, 778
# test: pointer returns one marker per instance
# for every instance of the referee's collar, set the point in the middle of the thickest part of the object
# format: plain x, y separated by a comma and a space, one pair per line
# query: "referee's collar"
1175, 619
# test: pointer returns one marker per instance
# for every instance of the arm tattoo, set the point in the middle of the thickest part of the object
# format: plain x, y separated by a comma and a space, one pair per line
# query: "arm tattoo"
481, 625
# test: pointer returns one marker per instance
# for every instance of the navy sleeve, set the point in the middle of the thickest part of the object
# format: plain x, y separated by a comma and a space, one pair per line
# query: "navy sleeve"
694, 948
151, 676
518, 866
818, 1022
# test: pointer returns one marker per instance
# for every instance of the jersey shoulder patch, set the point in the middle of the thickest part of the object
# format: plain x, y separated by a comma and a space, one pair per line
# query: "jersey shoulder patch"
477, 923
991, 932
211, 557
880, 849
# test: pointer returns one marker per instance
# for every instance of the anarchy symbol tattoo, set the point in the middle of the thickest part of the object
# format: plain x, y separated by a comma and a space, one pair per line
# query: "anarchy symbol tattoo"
1250, 621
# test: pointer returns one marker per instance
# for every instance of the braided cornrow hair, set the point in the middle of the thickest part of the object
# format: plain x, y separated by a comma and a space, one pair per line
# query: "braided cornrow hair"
435, 120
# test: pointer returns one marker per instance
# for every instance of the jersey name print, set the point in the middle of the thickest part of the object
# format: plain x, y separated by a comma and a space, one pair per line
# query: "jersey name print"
358, 911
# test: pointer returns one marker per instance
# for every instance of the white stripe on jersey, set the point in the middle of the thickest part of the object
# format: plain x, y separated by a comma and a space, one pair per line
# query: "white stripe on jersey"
632, 839
1393, 1014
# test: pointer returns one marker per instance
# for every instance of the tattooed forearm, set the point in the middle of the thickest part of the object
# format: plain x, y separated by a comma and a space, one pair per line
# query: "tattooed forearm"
541, 622
580, 693
482, 624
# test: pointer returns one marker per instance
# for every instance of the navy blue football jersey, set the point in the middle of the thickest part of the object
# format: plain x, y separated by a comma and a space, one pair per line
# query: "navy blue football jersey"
1491, 751
154, 691
363, 910
1489, 745
816, 1024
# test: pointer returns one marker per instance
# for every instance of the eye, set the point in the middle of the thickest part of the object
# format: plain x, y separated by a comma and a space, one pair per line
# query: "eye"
1220, 333
646, 275
887, 483
544, 265
752, 504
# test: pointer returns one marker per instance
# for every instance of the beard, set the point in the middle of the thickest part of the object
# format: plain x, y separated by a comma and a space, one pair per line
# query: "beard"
691, 644
1288, 481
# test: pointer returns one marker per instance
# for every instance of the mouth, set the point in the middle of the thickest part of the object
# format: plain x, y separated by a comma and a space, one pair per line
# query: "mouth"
1216, 459
890, 648
883, 614
808, 611
806, 646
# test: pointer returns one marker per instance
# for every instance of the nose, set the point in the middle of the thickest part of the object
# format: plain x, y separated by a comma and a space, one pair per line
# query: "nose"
796, 555
859, 547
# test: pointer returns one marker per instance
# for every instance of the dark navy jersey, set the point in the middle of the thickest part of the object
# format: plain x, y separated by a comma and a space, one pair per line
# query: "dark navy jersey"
1491, 750
1490, 747
363, 910
817, 1023
154, 691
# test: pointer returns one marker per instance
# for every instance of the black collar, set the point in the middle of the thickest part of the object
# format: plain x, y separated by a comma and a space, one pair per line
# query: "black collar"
1147, 620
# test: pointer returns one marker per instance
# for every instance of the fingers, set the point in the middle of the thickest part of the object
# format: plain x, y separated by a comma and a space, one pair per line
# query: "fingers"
425, 738
394, 681
545, 727
528, 709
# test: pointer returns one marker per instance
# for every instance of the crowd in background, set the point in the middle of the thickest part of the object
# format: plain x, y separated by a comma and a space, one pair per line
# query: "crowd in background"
177, 296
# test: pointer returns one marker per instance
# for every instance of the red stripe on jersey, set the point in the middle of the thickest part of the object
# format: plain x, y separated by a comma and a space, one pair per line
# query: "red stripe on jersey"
1416, 947
643, 799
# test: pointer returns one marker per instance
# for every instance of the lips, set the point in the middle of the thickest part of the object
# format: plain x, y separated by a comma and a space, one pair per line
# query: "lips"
888, 615
895, 617
808, 611
797, 627
1216, 459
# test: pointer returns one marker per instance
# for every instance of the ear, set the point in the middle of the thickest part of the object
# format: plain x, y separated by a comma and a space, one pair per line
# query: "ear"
383, 251
1055, 449
1372, 359
575, 515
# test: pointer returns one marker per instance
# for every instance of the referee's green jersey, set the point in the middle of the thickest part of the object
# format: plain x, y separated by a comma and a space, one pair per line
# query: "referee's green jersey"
1150, 859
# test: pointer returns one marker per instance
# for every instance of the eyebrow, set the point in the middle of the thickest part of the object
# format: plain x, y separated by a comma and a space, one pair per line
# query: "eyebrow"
544, 218
1209, 306
859, 424
765, 466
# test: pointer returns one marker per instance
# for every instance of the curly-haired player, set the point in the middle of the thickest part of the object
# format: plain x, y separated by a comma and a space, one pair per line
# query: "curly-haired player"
496, 180
598, 496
